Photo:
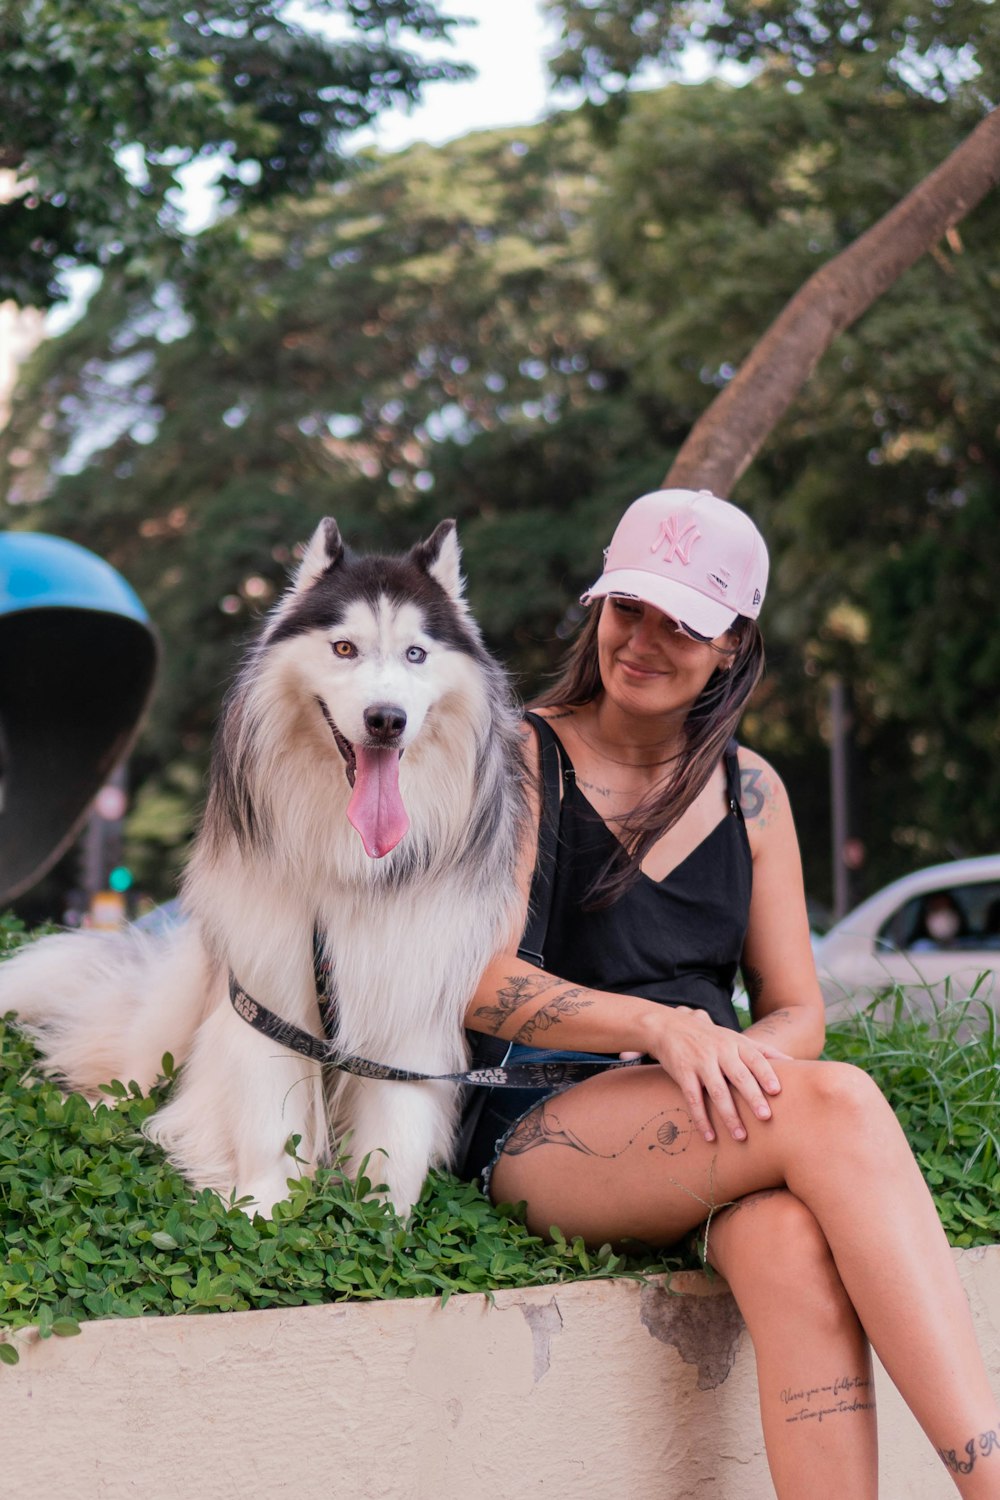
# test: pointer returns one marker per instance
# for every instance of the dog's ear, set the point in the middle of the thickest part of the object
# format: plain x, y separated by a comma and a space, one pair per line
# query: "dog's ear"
441, 557
324, 552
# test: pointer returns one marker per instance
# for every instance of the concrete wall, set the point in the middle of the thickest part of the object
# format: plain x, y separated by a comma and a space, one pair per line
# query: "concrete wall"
584, 1392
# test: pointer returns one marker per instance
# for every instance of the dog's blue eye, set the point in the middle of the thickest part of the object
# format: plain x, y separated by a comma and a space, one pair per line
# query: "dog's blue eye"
416, 654
344, 649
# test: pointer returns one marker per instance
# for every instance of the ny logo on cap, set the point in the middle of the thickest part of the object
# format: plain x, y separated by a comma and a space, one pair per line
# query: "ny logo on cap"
678, 542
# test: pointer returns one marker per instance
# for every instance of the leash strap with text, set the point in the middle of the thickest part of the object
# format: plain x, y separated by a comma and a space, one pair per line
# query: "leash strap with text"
324, 1051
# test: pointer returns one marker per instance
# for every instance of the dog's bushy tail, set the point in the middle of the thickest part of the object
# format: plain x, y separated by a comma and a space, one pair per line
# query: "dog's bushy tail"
101, 1006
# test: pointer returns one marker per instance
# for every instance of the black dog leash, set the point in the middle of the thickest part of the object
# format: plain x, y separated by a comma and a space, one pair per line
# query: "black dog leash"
324, 1051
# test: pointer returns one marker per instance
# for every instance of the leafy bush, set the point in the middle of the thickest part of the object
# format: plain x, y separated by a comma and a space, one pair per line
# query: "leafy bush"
95, 1223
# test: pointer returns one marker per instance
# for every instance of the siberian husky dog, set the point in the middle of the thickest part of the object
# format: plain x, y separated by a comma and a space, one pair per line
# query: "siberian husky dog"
365, 787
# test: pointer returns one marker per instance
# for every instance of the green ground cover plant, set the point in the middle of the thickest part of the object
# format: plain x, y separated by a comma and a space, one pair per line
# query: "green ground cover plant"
94, 1223
942, 1077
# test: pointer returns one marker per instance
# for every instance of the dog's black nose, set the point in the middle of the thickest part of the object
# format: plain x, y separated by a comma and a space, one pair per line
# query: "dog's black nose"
385, 721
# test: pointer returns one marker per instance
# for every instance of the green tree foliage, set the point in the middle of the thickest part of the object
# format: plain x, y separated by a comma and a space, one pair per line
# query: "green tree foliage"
928, 49
423, 340
104, 101
518, 330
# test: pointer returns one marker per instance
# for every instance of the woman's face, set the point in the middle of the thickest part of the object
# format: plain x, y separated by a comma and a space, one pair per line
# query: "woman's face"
648, 664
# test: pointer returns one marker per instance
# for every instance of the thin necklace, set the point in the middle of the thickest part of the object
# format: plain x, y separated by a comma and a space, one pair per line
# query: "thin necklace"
630, 764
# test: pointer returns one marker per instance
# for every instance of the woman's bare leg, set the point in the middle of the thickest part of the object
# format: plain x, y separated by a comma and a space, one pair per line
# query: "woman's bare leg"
616, 1157
814, 1373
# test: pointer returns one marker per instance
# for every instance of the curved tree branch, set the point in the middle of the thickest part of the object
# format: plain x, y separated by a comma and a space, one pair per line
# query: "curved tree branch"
729, 434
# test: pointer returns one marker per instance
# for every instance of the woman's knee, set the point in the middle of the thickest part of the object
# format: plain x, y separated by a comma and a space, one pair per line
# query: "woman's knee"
839, 1098
771, 1249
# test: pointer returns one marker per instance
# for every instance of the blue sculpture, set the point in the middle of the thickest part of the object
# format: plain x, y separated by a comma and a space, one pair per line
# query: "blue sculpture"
78, 659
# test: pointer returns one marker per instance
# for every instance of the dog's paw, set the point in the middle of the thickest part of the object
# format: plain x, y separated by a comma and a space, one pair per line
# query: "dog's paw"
260, 1195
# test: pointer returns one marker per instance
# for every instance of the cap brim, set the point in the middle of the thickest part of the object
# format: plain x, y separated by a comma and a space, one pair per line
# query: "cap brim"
684, 604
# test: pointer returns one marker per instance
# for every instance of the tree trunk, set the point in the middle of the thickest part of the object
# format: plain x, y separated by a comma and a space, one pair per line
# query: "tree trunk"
728, 435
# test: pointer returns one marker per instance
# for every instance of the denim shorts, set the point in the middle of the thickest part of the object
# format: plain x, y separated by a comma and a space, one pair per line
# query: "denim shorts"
502, 1111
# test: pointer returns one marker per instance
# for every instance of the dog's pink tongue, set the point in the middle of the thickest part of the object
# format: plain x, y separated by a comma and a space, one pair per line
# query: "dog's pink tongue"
376, 809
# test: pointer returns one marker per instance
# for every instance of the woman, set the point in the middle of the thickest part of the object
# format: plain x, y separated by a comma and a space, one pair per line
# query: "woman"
676, 863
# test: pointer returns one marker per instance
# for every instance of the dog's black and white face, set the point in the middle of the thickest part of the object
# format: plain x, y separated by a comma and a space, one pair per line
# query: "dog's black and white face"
381, 644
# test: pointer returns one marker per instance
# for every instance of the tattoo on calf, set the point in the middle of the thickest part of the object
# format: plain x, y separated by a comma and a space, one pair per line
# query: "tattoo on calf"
847, 1393
544, 1128
981, 1447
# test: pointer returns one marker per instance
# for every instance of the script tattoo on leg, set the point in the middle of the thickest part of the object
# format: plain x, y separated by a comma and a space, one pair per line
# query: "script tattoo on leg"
981, 1447
816, 1403
544, 1128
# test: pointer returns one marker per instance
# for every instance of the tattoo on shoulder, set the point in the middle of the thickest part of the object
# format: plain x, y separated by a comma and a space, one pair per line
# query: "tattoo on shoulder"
754, 793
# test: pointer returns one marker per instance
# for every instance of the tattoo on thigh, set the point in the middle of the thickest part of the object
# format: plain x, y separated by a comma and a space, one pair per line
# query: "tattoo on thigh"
981, 1447
816, 1403
543, 1128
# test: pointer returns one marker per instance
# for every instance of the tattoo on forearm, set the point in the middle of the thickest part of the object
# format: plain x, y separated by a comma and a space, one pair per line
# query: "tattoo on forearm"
753, 795
771, 1024
568, 1003
517, 991
848, 1393
543, 1127
981, 1447
753, 981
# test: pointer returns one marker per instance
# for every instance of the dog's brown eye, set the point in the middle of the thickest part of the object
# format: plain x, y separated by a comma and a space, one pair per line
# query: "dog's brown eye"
344, 649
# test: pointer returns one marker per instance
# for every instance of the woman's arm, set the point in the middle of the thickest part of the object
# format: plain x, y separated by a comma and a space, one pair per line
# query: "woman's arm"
778, 967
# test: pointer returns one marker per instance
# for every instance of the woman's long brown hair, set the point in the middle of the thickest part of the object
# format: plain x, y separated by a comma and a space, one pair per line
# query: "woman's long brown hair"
709, 727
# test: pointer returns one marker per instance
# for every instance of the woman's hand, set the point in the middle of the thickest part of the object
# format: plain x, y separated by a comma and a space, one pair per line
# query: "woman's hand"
712, 1065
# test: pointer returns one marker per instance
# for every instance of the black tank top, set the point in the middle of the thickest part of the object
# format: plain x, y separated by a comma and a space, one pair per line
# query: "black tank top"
677, 940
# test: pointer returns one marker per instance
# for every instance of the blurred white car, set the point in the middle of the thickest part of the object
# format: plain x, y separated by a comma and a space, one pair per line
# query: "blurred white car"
937, 932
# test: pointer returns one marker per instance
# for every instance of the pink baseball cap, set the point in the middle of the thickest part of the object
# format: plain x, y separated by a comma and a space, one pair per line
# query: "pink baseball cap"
689, 554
